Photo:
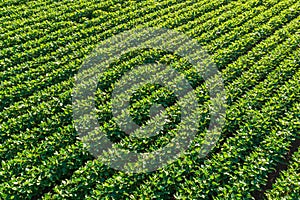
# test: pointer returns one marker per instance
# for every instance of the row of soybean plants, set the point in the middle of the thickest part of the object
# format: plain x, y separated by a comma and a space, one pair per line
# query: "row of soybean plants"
44, 109
10, 11
78, 181
244, 169
287, 184
114, 19
118, 71
59, 11
253, 173
37, 98
5, 4
42, 105
60, 73
117, 182
193, 14
94, 30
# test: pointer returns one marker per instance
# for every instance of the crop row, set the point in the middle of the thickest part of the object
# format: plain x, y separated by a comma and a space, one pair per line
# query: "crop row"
260, 27
50, 68
33, 134
118, 71
186, 18
223, 38
106, 109
274, 57
287, 184
31, 71
68, 48
224, 7
34, 180
74, 11
281, 31
4, 4
277, 72
169, 21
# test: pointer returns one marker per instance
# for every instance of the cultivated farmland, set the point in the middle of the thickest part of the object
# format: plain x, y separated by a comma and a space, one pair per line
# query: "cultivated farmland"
254, 44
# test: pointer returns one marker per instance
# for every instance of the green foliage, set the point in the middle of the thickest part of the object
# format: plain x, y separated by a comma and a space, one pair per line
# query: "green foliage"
287, 184
255, 45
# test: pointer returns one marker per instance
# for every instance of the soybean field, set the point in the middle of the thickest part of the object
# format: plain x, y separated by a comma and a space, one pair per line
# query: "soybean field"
253, 44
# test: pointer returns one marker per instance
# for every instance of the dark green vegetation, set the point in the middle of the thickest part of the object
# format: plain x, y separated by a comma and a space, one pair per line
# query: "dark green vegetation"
255, 45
